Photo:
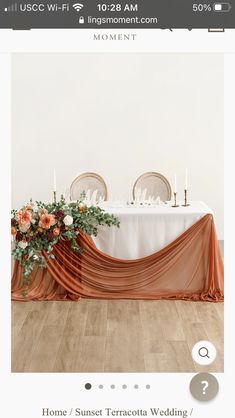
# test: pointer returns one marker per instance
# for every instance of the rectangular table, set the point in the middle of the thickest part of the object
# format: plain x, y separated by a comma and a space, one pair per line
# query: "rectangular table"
145, 230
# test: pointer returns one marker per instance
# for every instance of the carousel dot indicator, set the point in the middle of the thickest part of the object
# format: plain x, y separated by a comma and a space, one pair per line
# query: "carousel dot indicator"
147, 386
88, 386
101, 386
112, 386
136, 386
124, 386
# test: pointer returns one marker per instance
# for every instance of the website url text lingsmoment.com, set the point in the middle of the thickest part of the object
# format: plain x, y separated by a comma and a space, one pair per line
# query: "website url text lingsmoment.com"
121, 20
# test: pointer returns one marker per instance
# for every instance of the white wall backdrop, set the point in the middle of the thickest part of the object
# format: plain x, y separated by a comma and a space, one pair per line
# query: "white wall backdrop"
119, 115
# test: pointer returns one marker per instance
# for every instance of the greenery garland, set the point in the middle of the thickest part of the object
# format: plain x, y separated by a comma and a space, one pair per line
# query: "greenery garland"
38, 226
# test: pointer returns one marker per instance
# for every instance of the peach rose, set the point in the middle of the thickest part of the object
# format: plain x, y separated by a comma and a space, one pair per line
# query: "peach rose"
24, 217
56, 232
24, 227
47, 220
42, 211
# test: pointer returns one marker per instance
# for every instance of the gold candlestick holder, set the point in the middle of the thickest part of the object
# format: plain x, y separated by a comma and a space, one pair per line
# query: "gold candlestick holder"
54, 194
175, 203
186, 198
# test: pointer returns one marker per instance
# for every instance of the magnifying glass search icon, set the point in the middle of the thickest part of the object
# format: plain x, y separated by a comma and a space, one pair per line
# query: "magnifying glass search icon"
203, 352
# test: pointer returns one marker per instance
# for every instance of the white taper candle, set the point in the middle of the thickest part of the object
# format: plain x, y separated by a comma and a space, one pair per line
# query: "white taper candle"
175, 188
54, 180
186, 179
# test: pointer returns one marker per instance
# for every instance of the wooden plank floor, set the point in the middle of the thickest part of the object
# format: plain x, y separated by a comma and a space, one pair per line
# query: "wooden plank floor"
113, 336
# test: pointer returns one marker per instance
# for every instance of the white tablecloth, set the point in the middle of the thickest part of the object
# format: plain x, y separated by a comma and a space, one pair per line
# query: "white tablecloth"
145, 230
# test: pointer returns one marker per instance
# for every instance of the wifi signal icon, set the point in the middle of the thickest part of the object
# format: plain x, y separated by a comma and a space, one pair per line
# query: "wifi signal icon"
78, 6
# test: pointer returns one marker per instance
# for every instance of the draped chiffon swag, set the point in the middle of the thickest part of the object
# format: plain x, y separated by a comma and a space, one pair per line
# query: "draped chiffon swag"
190, 268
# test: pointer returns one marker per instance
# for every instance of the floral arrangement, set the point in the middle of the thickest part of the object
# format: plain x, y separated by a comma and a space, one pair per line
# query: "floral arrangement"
38, 226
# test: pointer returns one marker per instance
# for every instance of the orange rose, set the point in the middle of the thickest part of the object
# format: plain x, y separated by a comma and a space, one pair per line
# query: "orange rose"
47, 220
13, 230
56, 232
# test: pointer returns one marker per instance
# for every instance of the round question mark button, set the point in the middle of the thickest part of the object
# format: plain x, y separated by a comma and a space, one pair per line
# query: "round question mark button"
204, 387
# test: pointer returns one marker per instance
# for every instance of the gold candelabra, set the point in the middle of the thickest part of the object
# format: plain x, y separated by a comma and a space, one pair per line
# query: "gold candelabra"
186, 198
175, 202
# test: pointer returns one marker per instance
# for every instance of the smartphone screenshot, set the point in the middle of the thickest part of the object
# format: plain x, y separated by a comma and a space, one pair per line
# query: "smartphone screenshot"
117, 219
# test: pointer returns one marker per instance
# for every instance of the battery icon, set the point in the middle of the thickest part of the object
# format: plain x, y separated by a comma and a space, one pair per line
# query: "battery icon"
222, 7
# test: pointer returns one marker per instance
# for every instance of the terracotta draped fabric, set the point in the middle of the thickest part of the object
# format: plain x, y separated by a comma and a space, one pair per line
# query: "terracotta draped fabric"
190, 268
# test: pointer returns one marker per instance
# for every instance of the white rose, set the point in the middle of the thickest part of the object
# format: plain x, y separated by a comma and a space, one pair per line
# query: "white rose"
68, 220
22, 244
